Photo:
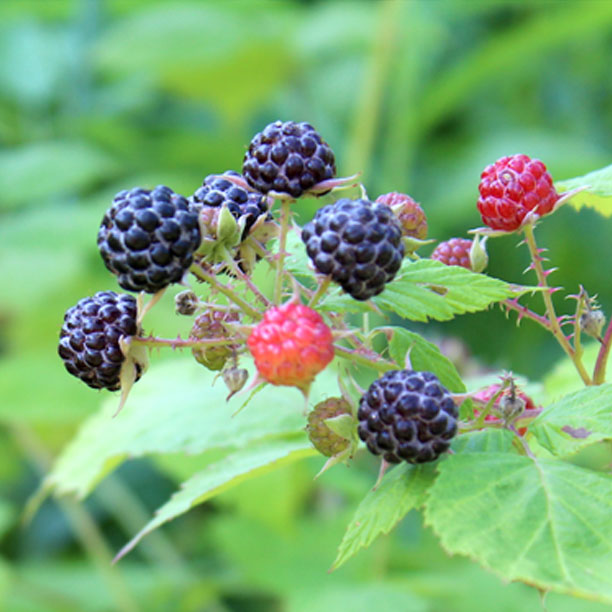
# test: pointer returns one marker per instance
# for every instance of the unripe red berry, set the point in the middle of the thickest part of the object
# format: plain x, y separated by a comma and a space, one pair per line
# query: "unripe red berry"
512, 187
291, 345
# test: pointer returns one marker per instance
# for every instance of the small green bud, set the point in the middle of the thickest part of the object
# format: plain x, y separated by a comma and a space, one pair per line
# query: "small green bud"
479, 258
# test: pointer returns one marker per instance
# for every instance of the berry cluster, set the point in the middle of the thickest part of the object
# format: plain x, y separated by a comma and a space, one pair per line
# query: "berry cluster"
150, 239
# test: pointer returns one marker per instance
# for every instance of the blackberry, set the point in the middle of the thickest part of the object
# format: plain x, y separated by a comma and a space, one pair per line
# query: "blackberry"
147, 238
407, 416
358, 243
216, 191
89, 339
288, 158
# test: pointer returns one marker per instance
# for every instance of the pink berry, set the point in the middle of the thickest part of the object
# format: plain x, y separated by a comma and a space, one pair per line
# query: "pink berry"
454, 252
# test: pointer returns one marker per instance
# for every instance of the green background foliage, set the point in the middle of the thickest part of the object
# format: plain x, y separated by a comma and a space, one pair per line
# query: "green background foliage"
418, 96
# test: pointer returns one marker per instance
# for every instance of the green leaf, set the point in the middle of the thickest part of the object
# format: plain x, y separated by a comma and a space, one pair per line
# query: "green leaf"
176, 408
297, 261
401, 490
563, 377
428, 289
358, 597
249, 39
545, 522
486, 441
38, 171
577, 420
598, 192
424, 356
254, 460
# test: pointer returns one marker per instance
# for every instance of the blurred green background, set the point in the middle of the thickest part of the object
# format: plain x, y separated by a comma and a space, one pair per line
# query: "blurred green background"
419, 96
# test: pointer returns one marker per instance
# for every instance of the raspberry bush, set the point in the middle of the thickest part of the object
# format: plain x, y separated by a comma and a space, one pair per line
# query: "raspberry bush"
295, 320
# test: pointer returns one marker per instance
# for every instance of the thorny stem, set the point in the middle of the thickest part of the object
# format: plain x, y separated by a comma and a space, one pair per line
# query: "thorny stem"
282, 245
577, 329
225, 290
152, 341
599, 372
321, 289
229, 260
265, 254
523, 311
381, 365
555, 327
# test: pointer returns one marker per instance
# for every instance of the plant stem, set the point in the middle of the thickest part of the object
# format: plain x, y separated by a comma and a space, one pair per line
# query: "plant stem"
175, 343
555, 328
512, 304
225, 290
577, 330
235, 268
381, 365
282, 245
599, 372
321, 289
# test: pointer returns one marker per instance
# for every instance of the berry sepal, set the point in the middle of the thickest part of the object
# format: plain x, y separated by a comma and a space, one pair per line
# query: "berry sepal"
135, 364
220, 232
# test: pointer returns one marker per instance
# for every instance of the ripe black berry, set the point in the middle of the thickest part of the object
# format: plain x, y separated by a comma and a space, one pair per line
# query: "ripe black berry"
407, 416
288, 158
147, 238
216, 191
89, 339
358, 243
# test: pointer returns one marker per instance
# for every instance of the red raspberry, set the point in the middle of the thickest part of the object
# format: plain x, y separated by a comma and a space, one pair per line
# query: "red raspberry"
291, 345
409, 213
454, 252
484, 395
510, 188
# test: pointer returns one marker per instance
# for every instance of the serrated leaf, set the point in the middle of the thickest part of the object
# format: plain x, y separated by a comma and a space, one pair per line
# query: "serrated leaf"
598, 194
575, 421
401, 490
176, 408
428, 289
544, 522
424, 356
254, 460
